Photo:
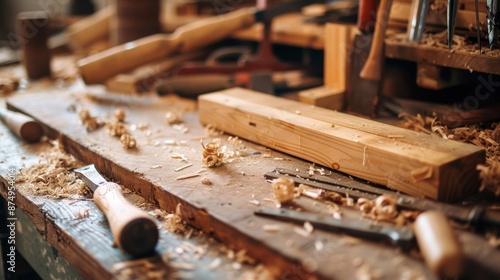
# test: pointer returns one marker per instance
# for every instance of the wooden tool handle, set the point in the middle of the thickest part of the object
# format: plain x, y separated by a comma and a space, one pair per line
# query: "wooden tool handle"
373, 66
207, 31
99, 67
23, 126
90, 29
438, 244
133, 230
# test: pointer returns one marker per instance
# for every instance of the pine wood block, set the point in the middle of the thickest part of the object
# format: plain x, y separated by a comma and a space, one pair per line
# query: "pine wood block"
404, 160
326, 97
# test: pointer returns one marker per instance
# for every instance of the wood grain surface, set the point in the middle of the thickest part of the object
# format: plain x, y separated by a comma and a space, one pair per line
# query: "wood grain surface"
404, 160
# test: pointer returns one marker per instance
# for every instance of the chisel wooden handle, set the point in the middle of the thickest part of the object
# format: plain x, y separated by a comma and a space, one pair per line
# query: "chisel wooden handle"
99, 67
133, 230
373, 65
439, 246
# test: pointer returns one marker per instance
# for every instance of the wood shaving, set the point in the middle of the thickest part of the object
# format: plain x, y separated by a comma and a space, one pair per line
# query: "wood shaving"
206, 181
254, 202
366, 272
183, 167
211, 155
128, 142
145, 268
8, 84
486, 137
283, 189
271, 228
116, 129
173, 118
188, 176
52, 176
175, 223
119, 115
90, 122
384, 208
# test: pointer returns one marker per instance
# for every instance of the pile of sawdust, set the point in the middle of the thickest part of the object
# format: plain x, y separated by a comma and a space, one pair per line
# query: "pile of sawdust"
52, 176
487, 137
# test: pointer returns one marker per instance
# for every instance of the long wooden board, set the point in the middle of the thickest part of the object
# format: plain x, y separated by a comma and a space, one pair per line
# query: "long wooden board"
410, 162
221, 209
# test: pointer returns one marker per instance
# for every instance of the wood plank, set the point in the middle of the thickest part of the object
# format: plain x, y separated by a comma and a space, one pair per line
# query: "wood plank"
417, 164
221, 209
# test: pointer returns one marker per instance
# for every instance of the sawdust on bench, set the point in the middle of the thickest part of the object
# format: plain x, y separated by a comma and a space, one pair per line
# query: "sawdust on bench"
52, 176
484, 136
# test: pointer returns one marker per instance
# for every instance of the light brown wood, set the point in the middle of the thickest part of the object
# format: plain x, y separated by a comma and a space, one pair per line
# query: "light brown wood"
410, 162
326, 97
133, 230
439, 245
339, 44
90, 29
372, 69
99, 67
26, 128
146, 77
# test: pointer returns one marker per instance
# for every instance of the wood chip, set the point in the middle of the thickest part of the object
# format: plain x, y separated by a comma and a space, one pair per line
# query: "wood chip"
214, 264
183, 167
254, 202
271, 228
187, 176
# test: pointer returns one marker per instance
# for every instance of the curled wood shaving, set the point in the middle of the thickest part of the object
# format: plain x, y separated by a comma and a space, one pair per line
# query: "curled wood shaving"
82, 214
283, 189
173, 117
119, 115
128, 142
86, 119
212, 131
52, 176
211, 155
383, 208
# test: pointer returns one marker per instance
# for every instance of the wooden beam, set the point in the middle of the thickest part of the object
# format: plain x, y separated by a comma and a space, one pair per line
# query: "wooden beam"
404, 160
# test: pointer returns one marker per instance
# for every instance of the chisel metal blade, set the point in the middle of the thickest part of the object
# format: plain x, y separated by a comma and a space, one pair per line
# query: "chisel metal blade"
451, 20
492, 9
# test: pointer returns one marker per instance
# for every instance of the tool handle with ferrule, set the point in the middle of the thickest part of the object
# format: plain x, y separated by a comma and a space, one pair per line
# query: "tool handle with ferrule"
101, 66
373, 65
133, 230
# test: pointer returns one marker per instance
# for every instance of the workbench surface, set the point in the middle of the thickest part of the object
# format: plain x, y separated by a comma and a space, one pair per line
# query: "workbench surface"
223, 209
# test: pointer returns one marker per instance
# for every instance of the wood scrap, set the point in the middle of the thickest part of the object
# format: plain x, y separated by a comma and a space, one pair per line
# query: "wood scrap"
337, 140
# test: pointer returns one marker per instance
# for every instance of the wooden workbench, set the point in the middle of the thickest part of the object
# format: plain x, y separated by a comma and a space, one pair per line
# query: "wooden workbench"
221, 210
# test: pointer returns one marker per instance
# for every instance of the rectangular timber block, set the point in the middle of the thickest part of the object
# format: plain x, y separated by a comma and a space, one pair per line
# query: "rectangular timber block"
414, 163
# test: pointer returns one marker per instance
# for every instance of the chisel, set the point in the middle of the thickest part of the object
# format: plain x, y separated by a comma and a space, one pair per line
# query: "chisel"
99, 67
133, 230
492, 9
451, 14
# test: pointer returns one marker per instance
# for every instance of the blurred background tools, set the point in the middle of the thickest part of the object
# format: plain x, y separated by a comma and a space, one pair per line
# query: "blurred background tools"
493, 21
416, 22
33, 32
26, 128
451, 16
99, 67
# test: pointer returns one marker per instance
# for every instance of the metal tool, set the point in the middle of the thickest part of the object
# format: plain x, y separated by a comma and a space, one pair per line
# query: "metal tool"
23, 126
416, 23
133, 230
101, 66
451, 16
475, 216
493, 20
400, 236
